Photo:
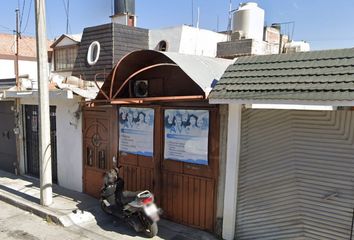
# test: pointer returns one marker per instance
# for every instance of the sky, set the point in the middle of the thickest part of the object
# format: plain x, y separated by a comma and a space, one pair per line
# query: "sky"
325, 24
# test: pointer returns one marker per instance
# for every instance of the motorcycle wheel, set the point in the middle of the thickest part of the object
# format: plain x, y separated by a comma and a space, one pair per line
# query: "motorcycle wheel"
151, 230
105, 208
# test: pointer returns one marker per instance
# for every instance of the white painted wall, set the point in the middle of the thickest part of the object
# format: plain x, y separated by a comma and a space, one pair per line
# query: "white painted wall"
25, 67
200, 41
65, 42
232, 168
187, 40
69, 141
171, 35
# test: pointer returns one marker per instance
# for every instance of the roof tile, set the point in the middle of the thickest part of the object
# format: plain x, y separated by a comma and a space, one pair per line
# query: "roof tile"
318, 75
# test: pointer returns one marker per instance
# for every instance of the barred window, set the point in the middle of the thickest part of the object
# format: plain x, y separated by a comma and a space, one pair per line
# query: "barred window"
65, 58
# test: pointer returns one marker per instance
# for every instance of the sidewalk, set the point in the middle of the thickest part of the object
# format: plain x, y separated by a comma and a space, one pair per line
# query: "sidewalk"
72, 208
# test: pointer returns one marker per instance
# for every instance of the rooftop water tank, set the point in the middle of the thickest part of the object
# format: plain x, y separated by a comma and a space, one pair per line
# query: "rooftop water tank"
248, 20
124, 7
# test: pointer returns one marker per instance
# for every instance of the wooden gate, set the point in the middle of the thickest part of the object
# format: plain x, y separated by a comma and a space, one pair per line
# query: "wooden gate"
99, 139
186, 192
142, 172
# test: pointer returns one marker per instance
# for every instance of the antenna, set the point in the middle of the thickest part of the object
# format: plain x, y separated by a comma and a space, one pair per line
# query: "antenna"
198, 17
229, 20
192, 13
112, 13
67, 17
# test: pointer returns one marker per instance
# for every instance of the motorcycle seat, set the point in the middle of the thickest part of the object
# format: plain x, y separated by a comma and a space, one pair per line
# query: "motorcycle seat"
128, 197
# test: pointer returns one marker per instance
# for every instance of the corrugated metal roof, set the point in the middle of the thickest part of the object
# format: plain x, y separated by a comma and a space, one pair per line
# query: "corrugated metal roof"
7, 83
202, 70
316, 76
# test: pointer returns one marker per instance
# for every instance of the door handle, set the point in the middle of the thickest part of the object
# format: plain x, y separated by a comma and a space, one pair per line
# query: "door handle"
6, 134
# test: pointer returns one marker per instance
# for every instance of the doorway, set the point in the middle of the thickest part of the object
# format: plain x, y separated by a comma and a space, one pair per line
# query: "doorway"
180, 168
32, 141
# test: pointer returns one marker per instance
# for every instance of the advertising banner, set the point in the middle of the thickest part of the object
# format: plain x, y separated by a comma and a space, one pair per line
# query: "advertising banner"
186, 135
136, 131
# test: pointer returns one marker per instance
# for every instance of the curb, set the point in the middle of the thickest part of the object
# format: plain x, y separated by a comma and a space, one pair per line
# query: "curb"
31, 207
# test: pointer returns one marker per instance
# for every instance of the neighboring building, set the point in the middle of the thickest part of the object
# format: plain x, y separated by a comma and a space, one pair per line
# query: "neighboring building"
186, 40
289, 173
249, 36
101, 47
65, 50
65, 114
28, 75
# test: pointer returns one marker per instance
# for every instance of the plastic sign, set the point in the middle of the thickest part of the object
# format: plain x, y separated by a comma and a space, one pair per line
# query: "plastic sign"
136, 131
186, 135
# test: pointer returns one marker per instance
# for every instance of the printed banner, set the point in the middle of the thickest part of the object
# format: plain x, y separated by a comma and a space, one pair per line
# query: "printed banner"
186, 135
136, 131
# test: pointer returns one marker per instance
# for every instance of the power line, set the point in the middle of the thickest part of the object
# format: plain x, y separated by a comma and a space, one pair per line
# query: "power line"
28, 15
22, 11
66, 8
4, 27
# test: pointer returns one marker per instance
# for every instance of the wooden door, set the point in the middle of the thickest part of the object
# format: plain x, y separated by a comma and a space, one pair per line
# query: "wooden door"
186, 192
189, 190
139, 171
99, 138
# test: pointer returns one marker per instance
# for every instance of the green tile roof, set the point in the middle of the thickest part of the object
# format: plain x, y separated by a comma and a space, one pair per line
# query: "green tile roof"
308, 76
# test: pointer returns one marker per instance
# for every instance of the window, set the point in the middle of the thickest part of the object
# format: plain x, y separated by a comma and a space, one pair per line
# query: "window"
162, 46
65, 58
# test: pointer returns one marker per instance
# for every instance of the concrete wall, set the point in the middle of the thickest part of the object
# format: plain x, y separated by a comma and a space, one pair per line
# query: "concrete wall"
246, 47
25, 67
69, 141
223, 118
187, 40
200, 41
171, 35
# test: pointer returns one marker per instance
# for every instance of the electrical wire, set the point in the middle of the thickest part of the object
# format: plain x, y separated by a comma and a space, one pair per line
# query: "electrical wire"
66, 8
4, 27
28, 15
21, 13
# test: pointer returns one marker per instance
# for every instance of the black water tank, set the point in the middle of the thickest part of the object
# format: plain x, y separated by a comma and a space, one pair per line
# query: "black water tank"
124, 6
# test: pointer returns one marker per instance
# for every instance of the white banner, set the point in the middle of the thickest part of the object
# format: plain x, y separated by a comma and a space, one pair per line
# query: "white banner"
136, 131
186, 135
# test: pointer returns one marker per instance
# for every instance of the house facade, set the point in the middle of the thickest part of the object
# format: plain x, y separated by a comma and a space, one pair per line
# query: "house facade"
153, 119
290, 144
19, 109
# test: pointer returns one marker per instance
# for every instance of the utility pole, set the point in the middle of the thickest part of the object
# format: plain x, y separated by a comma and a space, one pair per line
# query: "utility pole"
16, 54
17, 101
45, 160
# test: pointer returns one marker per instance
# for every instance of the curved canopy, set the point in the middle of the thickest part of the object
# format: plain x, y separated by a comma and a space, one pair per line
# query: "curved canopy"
203, 71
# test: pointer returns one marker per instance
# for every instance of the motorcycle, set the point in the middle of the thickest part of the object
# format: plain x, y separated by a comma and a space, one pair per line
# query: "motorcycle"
136, 208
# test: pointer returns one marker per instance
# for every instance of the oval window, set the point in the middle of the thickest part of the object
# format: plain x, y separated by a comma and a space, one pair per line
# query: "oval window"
93, 53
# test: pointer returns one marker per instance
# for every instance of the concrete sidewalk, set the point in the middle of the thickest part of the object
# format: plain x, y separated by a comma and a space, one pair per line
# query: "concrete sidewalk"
72, 208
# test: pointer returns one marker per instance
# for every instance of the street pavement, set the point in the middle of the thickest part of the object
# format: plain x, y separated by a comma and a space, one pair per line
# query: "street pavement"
17, 224
73, 215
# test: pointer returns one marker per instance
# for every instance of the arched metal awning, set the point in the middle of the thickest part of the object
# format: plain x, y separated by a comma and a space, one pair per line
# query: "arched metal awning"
203, 71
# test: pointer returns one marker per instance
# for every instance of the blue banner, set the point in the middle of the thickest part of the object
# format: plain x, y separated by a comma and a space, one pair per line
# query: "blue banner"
186, 135
136, 131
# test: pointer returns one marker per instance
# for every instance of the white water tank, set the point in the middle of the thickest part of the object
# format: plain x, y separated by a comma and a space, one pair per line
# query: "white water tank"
248, 20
